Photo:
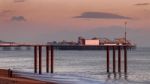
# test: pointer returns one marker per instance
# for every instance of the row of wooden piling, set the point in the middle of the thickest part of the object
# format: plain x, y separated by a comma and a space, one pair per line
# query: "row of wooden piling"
50, 58
38, 59
119, 49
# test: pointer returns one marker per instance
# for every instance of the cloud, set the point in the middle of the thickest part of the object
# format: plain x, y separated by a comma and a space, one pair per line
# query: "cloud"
101, 15
6, 12
17, 1
18, 18
142, 4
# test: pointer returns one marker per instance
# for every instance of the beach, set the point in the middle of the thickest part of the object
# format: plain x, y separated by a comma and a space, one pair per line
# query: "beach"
32, 78
15, 79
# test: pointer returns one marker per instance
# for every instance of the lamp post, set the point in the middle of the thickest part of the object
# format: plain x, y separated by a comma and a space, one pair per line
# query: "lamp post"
125, 50
125, 32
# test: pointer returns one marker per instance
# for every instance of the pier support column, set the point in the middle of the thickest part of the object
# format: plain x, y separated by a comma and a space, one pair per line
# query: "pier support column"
114, 59
35, 59
40, 59
107, 58
52, 59
125, 59
47, 59
119, 59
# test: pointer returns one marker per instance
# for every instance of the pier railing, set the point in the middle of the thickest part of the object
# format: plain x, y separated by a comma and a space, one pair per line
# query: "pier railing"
116, 53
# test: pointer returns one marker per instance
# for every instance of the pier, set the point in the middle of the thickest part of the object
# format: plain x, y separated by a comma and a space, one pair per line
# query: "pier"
16, 48
117, 51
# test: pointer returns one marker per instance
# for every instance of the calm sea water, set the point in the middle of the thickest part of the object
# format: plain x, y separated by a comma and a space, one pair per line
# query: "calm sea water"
90, 64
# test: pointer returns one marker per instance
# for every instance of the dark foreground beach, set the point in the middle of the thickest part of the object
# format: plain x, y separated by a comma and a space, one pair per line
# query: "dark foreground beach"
30, 78
15, 79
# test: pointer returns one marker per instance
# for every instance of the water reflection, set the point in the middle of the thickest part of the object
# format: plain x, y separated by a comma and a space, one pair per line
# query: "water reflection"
117, 78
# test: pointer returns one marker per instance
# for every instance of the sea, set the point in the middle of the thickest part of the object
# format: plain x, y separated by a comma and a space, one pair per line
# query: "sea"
84, 63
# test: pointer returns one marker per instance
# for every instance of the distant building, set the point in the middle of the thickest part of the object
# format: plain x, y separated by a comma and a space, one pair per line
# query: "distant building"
81, 41
93, 41
6, 43
122, 41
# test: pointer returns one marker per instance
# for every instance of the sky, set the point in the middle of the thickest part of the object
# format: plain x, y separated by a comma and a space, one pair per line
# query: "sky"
40, 21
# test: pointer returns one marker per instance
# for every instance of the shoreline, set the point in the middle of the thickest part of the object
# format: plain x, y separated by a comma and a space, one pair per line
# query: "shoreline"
60, 78
19, 77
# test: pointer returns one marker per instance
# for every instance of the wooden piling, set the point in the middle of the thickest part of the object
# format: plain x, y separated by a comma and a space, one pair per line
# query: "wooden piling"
125, 59
35, 59
114, 59
52, 59
40, 59
47, 59
119, 59
107, 59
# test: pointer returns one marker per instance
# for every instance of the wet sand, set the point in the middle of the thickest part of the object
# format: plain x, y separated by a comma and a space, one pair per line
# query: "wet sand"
7, 78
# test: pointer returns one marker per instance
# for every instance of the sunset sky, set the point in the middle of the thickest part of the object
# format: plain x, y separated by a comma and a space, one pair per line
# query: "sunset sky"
48, 20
